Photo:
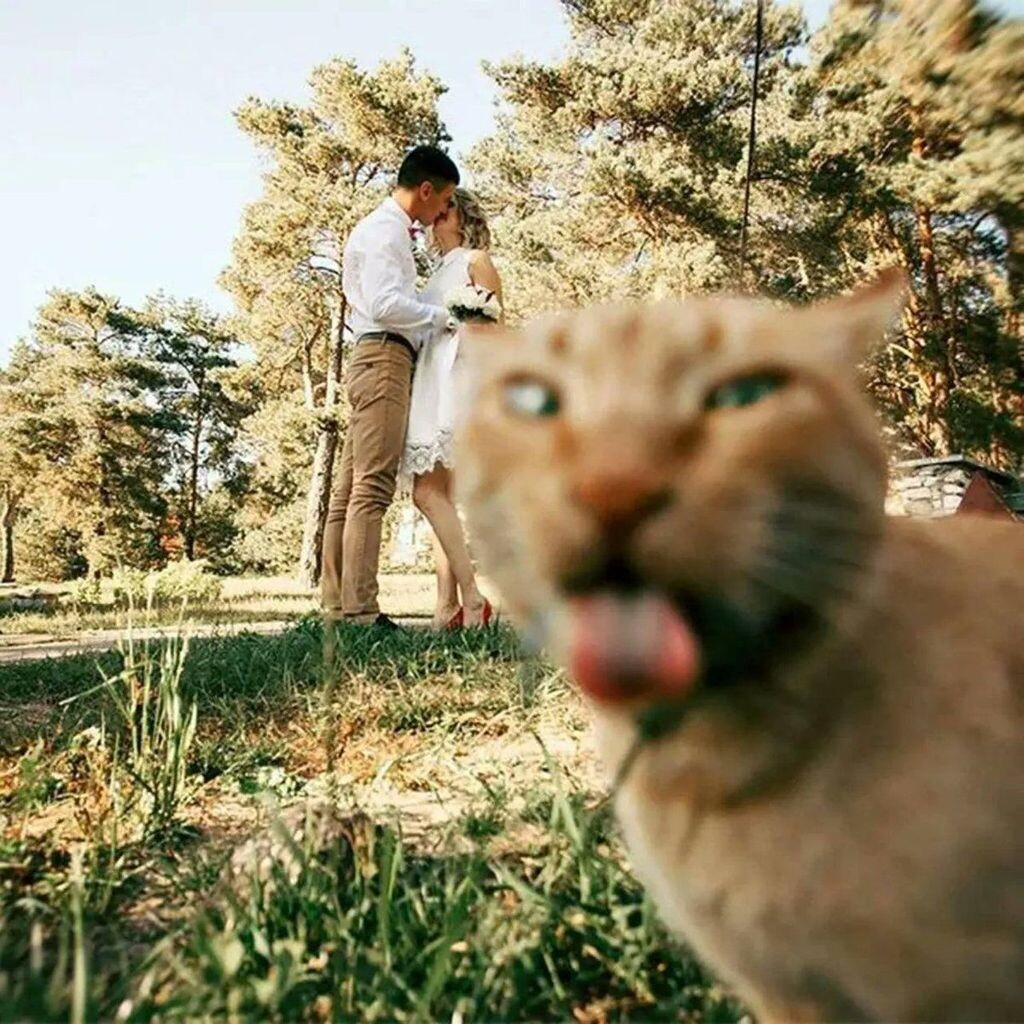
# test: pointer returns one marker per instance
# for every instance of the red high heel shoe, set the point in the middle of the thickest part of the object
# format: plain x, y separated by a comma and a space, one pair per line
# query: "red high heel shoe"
455, 622
486, 615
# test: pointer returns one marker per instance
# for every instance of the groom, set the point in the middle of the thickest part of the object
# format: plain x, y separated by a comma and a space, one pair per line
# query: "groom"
388, 324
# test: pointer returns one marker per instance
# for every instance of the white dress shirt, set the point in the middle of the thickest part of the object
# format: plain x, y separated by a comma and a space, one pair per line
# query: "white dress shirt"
378, 277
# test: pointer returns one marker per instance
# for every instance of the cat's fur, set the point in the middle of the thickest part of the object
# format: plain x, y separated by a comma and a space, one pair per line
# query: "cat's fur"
837, 822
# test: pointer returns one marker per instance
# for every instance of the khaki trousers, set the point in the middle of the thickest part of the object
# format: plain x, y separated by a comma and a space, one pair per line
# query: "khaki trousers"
379, 386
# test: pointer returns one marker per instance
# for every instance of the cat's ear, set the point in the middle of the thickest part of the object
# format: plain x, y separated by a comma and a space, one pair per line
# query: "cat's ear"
852, 325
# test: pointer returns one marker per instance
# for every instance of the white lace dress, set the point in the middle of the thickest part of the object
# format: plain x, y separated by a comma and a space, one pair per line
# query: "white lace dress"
428, 440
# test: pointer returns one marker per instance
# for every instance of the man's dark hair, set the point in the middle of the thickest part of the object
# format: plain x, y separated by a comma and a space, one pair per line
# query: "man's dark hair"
427, 163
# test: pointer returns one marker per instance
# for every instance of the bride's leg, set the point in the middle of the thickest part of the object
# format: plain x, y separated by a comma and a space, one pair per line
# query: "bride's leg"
447, 588
431, 493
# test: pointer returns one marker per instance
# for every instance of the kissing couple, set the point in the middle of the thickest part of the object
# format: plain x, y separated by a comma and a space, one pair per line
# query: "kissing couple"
401, 389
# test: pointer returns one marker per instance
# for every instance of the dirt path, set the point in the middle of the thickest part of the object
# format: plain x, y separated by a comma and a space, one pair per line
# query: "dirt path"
16, 647
33, 646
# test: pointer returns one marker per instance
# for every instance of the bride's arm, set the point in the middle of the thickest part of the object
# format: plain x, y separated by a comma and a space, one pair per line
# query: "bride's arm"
484, 274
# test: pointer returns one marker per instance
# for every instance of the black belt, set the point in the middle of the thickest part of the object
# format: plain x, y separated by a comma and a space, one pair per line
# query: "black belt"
389, 336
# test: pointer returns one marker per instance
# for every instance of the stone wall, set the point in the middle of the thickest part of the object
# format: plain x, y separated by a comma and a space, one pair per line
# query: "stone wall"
936, 487
927, 491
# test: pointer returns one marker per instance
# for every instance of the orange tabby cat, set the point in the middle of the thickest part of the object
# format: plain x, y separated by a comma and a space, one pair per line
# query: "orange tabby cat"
684, 502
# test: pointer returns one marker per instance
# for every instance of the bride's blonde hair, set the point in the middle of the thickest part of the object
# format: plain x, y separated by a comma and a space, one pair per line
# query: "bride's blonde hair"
475, 232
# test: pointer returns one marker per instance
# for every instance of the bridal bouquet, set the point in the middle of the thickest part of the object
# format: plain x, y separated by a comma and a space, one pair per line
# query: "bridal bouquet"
470, 303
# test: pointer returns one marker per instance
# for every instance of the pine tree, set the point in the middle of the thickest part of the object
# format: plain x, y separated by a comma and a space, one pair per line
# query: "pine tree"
196, 351
919, 111
82, 402
619, 170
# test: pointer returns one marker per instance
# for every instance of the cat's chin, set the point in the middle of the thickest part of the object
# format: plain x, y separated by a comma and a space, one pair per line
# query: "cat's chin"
628, 647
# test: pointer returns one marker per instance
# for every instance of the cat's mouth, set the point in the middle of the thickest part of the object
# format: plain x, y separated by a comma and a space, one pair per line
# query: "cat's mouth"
631, 646
645, 637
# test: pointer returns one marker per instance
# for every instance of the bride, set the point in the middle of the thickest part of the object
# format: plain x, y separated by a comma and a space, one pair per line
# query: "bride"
462, 236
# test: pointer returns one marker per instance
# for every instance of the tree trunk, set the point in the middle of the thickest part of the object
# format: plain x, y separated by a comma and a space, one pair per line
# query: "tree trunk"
97, 552
192, 513
308, 394
8, 510
1014, 228
1007, 397
929, 265
915, 334
936, 373
319, 494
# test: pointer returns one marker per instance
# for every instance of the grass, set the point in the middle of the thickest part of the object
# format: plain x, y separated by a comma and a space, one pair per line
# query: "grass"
243, 599
406, 833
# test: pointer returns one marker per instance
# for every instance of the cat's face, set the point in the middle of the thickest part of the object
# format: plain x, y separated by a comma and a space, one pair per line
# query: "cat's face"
670, 492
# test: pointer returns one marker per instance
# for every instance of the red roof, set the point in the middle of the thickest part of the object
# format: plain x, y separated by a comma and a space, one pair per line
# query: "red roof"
982, 497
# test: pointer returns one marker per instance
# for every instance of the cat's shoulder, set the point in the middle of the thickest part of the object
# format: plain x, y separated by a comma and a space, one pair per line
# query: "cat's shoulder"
988, 545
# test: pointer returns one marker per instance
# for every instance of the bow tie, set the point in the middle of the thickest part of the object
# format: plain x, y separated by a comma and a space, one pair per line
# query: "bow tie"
413, 231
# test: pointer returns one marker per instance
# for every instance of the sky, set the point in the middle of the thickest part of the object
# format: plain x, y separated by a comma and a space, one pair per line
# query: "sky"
121, 165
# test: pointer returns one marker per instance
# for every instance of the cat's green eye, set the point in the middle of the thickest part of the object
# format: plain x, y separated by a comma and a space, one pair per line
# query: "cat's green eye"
744, 390
531, 397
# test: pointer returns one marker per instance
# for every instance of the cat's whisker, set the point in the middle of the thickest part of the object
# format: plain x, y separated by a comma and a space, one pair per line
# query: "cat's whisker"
796, 583
818, 555
819, 516
816, 541
769, 508
773, 581
814, 554
807, 526
815, 518
824, 525
826, 563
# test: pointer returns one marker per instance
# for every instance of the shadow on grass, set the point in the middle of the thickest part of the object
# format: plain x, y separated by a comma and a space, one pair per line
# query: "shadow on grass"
243, 669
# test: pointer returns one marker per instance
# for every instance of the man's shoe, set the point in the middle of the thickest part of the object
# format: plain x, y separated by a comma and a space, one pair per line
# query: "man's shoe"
383, 622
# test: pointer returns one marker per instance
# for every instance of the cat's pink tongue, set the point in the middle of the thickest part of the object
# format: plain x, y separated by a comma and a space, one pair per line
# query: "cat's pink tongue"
627, 647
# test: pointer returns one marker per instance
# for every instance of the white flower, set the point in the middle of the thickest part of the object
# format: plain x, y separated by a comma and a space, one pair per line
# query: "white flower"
473, 302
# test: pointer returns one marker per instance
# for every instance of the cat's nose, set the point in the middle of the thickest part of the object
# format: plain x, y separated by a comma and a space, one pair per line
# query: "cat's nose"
620, 499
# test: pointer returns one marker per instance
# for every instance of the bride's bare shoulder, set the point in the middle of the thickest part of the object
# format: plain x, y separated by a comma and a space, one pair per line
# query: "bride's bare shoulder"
480, 258
482, 270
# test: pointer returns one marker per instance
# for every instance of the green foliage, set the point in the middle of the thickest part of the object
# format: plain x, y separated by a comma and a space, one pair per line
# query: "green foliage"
278, 441
159, 728
267, 542
45, 547
114, 423
218, 527
519, 907
179, 584
88, 591
186, 582
921, 166
617, 170
81, 403
196, 351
